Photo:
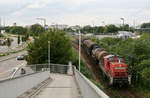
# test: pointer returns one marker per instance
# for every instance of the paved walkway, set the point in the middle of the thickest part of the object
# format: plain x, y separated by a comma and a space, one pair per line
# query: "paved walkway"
62, 86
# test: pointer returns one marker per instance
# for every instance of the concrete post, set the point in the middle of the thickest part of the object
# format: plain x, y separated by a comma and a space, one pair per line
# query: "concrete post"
70, 71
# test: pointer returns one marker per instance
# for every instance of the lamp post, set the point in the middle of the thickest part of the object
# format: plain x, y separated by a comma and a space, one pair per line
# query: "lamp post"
49, 55
123, 22
79, 49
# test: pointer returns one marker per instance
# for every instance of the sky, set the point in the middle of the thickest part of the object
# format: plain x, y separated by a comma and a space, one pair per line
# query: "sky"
75, 12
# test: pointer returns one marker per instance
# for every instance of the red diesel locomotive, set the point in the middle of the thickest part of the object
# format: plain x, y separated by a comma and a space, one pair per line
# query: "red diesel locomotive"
113, 66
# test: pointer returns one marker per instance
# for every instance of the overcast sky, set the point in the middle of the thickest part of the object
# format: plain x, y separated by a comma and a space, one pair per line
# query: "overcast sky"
75, 12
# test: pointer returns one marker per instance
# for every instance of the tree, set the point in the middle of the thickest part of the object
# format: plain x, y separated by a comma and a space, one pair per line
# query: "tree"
110, 29
87, 29
1, 35
25, 37
145, 25
60, 46
18, 40
36, 29
8, 43
125, 27
18, 30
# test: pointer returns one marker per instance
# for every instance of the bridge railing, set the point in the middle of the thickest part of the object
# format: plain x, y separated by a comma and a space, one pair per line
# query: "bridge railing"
52, 68
87, 88
12, 88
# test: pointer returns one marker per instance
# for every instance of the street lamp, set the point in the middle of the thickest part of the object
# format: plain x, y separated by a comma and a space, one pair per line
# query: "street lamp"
123, 22
79, 49
49, 55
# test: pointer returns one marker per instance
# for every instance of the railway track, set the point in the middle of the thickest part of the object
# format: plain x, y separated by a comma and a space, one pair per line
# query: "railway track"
113, 92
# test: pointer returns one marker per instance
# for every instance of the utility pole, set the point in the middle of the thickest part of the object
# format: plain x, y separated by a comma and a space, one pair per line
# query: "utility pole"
79, 49
49, 55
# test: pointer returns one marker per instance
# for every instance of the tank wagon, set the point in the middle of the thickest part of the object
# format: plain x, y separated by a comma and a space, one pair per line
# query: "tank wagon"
113, 66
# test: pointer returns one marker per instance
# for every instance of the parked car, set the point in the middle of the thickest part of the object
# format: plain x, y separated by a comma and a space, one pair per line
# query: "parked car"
20, 57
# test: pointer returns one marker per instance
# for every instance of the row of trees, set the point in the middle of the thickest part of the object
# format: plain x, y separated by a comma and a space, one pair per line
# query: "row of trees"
36, 29
105, 29
136, 53
145, 25
19, 30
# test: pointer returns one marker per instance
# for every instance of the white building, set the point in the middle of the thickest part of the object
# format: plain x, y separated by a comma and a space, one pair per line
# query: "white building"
59, 26
2, 31
125, 34
77, 27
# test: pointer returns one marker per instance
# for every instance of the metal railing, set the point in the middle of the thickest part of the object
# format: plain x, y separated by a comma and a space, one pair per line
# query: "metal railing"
87, 88
53, 68
12, 88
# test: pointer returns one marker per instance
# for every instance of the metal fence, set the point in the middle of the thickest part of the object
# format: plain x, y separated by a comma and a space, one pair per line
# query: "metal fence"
53, 68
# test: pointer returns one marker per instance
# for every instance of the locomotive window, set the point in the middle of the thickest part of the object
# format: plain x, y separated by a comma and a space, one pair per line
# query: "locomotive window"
111, 59
120, 59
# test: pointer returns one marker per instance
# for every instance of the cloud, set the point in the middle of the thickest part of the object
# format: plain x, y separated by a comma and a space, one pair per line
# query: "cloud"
75, 11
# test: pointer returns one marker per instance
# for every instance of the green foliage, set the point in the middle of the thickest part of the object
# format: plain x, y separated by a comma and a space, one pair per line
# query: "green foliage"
25, 37
136, 53
60, 47
7, 28
126, 27
18, 41
18, 30
87, 29
98, 84
110, 29
145, 25
146, 73
68, 30
36, 29
8, 42
144, 64
1, 35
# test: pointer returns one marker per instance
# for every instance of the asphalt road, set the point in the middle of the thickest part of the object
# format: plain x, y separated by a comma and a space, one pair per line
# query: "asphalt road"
13, 45
7, 66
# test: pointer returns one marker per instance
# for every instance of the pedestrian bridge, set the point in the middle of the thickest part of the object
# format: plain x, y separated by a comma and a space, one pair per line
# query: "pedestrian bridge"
60, 82
61, 86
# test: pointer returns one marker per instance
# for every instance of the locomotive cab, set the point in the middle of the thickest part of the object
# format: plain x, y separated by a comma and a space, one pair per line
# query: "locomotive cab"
116, 68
